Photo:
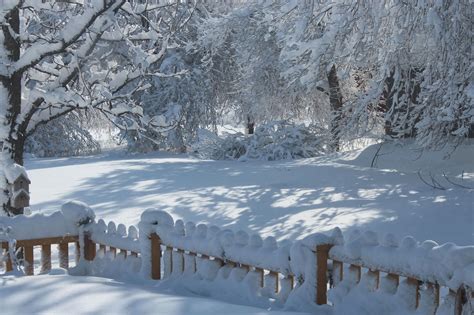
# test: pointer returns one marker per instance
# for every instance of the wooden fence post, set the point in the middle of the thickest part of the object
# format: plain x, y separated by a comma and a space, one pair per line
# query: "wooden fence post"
155, 256
322, 255
29, 260
46, 258
89, 247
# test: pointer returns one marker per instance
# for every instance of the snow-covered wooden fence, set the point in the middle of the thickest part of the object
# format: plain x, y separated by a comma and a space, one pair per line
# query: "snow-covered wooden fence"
319, 270
28, 245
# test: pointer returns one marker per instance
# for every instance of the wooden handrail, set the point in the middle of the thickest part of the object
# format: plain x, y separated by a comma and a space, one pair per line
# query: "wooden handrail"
156, 256
45, 243
224, 260
413, 281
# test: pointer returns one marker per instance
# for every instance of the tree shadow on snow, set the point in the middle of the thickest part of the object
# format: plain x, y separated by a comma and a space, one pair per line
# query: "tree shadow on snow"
286, 199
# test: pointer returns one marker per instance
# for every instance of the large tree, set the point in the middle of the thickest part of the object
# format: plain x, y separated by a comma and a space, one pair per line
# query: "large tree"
61, 56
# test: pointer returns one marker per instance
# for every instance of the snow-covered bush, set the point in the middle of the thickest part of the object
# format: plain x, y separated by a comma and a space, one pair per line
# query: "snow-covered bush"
277, 140
64, 136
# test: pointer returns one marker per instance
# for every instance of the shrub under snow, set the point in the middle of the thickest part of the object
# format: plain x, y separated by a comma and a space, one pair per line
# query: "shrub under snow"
278, 140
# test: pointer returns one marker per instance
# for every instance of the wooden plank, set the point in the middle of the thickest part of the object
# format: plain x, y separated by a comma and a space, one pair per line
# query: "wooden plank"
374, 277
433, 289
399, 274
460, 300
29, 260
245, 267
45, 258
155, 256
89, 248
113, 250
77, 252
274, 276
124, 252
262, 274
134, 254
9, 264
47, 241
292, 281
226, 261
415, 284
338, 271
355, 270
394, 277
167, 261
322, 256
64, 255
178, 261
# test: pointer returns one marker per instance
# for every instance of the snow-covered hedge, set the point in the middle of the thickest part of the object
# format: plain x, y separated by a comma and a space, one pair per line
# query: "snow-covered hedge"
276, 140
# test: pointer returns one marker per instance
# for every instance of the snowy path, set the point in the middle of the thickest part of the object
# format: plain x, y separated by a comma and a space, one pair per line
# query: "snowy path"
287, 199
62, 294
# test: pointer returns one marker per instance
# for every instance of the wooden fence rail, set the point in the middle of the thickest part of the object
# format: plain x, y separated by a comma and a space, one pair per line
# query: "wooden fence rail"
330, 270
267, 274
392, 279
28, 246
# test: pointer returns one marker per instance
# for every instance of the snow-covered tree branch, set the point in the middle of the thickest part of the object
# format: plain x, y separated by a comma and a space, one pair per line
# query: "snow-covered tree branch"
61, 56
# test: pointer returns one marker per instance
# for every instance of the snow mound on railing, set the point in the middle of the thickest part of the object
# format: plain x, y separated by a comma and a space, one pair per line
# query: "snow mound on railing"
116, 236
212, 241
73, 214
446, 264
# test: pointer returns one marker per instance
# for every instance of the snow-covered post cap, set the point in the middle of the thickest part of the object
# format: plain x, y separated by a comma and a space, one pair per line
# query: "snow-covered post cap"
154, 220
153, 225
77, 212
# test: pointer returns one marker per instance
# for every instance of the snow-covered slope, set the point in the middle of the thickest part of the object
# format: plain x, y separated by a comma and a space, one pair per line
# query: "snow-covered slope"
286, 199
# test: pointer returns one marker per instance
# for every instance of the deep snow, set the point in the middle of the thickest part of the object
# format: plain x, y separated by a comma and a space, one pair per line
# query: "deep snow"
285, 199
62, 294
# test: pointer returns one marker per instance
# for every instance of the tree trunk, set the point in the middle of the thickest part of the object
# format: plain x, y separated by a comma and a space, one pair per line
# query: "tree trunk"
13, 145
470, 133
250, 126
335, 100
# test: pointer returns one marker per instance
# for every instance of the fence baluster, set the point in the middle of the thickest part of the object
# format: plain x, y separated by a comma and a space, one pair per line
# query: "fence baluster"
155, 256
89, 247
29, 260
45, 258
64, 255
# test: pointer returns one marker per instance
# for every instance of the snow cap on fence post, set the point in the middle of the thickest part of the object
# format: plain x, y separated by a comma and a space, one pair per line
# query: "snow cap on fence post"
157, 223
154, 220
77, 213
310, 269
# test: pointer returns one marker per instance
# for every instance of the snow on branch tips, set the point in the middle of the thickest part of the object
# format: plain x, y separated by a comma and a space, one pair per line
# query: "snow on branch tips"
64, 56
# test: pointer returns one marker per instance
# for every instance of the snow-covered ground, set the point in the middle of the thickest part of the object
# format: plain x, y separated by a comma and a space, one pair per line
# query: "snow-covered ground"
63, 294
286, 199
